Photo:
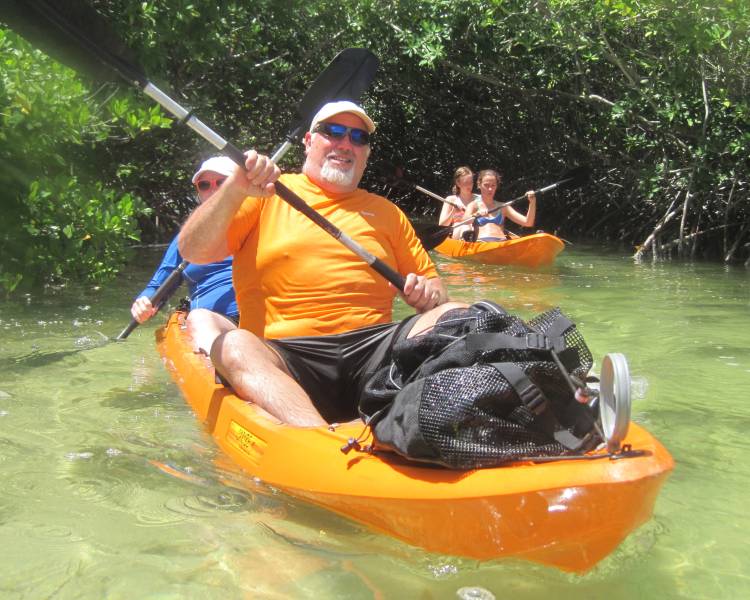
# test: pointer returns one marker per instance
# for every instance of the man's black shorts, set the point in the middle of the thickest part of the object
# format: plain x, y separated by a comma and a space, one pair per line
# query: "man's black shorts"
333, 369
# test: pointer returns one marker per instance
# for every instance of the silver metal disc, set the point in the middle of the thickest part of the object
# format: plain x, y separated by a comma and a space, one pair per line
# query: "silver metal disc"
614, 399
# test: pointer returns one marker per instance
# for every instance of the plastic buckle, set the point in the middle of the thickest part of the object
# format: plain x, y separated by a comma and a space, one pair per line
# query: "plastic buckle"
533, 399
537, 341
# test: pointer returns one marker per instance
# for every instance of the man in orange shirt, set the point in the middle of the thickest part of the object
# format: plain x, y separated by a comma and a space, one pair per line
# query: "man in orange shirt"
315, 320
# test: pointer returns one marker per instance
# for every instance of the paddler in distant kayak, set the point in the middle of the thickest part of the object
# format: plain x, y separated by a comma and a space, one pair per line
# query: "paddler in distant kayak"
489, 223
454, 209
213, 308
315, 320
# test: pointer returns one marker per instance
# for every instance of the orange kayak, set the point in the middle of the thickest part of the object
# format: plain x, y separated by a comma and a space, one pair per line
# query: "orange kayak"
568, 514
535, 250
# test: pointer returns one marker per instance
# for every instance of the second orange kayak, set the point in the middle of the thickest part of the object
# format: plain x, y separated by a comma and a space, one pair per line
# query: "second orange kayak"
535, 250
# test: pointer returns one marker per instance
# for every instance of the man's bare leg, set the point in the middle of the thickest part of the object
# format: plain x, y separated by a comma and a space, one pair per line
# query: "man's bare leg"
259, 375
204, 326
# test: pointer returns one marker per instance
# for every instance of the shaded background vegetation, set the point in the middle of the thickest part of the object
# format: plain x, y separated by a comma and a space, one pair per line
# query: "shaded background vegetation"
653, 95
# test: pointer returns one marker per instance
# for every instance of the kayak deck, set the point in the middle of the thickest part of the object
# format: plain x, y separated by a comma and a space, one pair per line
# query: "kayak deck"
568, 514
537, 250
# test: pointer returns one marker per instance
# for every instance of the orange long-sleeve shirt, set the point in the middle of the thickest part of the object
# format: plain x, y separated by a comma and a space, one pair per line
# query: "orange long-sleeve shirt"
291, 278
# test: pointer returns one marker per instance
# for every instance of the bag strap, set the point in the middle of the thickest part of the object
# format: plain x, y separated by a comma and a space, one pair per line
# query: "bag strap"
552, 339
534, 401
531, 396
503, 341
559, 325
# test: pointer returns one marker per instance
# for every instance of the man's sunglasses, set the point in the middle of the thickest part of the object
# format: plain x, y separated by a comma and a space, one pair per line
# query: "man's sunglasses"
206, 184
358, 137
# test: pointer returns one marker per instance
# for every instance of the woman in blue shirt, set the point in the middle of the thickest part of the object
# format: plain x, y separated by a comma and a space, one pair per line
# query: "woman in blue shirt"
213, 308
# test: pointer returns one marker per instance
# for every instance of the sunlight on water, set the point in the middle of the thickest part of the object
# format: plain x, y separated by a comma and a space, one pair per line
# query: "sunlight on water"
110, 487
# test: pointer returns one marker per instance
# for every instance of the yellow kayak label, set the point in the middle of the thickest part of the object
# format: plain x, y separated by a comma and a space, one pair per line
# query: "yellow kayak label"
248, 443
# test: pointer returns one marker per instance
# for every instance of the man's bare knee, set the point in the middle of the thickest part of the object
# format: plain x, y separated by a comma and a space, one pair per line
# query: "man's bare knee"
238, 348
258, 374
427, 320
238, 353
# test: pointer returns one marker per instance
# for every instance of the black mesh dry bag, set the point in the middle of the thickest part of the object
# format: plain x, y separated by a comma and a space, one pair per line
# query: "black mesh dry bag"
483, 388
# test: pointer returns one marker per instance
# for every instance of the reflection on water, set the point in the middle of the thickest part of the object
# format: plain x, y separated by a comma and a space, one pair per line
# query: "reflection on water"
112, 489
514, 288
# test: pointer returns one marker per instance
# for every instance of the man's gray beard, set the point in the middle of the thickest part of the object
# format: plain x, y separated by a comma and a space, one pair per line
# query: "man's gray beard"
337, 176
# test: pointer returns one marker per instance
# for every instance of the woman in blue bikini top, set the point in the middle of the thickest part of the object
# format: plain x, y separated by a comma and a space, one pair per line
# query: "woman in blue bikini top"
491, 223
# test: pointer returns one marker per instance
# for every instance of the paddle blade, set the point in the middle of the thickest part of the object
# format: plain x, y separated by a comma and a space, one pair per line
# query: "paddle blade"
389, 173
574, 178
348, 75
74, 34
432, 235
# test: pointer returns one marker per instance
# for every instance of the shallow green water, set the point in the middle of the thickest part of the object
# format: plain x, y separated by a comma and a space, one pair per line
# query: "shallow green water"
110, 487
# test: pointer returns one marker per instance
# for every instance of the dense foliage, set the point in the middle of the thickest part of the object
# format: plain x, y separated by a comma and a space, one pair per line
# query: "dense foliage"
61, 218
652, 94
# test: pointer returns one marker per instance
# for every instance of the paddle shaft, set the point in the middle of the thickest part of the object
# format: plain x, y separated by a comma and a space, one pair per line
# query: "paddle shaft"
48, 21
543, 190
498, 207
172, 282
419, 188
397, 178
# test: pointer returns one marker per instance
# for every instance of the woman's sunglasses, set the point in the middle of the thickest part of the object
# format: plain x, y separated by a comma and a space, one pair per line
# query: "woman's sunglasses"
206, 184
358, 137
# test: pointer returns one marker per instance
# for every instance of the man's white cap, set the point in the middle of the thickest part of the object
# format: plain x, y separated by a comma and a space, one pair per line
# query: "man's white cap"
342, 106
218, 164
